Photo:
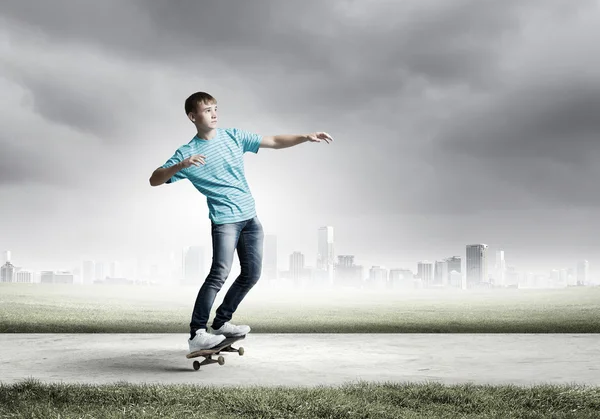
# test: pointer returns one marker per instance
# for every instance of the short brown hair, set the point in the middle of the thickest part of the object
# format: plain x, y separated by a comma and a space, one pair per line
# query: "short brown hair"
191, 103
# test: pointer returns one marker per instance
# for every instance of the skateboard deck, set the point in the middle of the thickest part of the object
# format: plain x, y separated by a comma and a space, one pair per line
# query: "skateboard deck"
224, 346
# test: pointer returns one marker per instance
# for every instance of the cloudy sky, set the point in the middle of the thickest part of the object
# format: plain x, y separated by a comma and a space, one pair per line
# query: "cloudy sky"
455, 122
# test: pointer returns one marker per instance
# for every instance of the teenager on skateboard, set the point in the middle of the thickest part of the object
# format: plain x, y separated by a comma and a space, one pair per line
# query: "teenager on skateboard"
213, 162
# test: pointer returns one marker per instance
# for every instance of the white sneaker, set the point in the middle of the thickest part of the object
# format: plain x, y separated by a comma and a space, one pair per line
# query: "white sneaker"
204, 340
231, 330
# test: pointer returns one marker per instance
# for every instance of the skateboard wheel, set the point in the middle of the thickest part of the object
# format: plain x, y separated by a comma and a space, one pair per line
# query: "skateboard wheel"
241, 351
221, 360
196, 365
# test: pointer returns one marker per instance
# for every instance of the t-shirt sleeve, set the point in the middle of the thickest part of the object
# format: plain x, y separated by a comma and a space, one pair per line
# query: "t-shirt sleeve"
249, 140
177, 157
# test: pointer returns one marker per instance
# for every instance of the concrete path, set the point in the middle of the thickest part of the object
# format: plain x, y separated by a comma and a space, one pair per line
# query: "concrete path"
306, 360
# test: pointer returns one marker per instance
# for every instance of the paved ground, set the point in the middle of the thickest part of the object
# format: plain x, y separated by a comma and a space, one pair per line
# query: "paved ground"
306, 360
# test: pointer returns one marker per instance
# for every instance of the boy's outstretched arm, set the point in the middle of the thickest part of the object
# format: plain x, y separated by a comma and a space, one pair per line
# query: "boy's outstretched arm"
285, 141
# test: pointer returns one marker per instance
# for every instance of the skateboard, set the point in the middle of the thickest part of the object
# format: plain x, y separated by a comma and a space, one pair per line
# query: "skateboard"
224, 346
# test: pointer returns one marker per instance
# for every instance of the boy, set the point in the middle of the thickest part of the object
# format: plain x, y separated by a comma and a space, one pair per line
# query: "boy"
213, 162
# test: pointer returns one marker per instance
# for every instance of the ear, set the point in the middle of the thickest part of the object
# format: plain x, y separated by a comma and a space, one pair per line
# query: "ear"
191, 117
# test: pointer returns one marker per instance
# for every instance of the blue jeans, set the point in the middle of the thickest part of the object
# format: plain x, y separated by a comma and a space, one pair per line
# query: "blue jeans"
247, 237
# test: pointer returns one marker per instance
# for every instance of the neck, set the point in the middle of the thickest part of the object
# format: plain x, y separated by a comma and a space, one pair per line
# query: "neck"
207, 135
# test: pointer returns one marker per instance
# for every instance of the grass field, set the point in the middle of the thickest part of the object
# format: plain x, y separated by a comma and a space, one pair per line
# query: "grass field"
61, 308
39, 308
31, 399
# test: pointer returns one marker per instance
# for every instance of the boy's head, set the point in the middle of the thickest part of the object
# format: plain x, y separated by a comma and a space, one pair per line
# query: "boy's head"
201, 109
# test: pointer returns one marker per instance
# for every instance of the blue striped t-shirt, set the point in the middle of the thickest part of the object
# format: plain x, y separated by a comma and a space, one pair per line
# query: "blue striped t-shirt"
221, 179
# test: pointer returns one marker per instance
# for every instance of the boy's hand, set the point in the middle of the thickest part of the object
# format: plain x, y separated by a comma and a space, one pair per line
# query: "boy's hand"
319, 136
195, 160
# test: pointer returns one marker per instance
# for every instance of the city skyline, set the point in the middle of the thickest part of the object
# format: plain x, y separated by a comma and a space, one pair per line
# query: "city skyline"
462, 122
476, 267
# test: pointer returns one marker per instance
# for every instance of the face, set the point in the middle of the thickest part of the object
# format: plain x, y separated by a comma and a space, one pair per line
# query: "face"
205, 116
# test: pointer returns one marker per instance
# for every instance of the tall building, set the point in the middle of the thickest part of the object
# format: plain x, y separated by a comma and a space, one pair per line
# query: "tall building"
571, 276
441, 273
563, 278
325, 252
270, 270
193, 269
347, 274
100, 272
5, 257
528, 279
88, 272
454, 265
512, 277
7, 272
378, 277
500, 269
477, 265
583, 273
297, 268
425, 272
455, 279
438, 272
116, 270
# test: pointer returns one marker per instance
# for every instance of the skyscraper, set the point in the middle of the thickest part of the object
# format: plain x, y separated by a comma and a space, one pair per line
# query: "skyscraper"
7, 272
325, 252
500, 269
425, 271
100, 271
297, 269
378, 277
87, 272
441, 273
347, 274
477, 270
437, 273
571, 276
455, 279
583, 273
512, 277
454, 265
563, 279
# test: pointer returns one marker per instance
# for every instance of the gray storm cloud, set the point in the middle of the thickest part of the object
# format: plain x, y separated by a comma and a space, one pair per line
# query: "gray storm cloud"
20, 165
395, 56
441, 108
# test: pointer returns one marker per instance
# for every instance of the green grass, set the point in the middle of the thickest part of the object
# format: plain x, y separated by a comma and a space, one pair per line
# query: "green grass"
47, 308
31, 399
39, 308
